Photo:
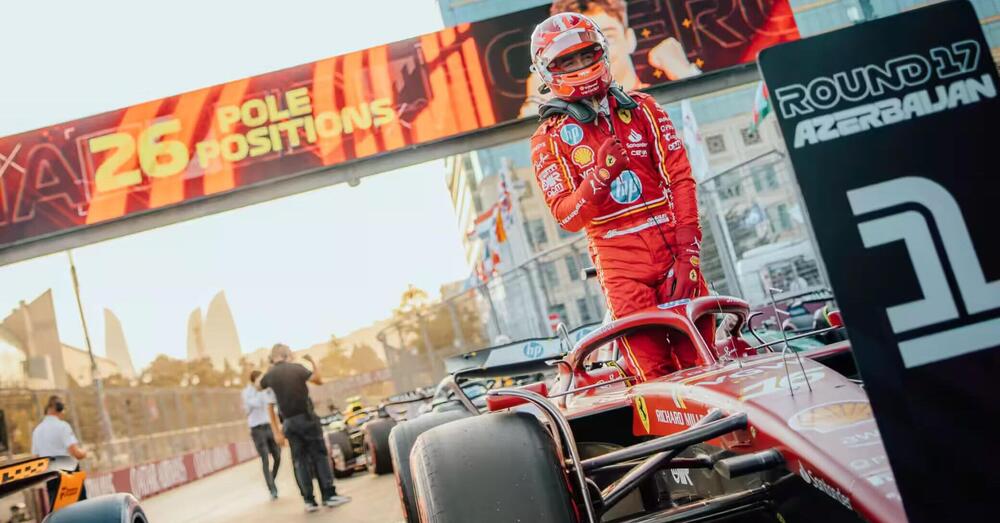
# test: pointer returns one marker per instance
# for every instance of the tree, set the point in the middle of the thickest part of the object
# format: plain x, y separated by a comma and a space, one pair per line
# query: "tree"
164, 371
365, 359
417, 316
335, 363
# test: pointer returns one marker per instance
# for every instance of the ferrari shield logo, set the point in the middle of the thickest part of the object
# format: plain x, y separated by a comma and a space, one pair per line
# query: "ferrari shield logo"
625, 116
642, 412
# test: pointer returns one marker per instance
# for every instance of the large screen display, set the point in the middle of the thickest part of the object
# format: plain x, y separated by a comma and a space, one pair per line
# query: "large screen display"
281, 124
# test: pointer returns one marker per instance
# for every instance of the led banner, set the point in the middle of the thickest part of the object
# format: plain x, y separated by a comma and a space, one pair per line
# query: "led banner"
462, 79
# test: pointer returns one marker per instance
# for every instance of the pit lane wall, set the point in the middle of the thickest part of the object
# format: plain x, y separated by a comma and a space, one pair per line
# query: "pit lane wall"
152, 478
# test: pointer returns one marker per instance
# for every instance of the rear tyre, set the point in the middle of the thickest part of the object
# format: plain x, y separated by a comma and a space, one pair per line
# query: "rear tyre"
490, 469
401, 442
113, 508
341, 453
376, 438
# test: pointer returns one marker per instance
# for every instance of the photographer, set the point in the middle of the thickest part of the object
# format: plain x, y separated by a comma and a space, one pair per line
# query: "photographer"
300, 425
54, 437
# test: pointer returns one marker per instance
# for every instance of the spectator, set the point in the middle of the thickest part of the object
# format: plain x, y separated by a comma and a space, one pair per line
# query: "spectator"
53, 437
301, 426
255, 405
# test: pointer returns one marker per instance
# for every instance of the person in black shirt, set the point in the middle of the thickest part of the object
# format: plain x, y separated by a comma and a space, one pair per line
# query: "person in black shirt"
300, 426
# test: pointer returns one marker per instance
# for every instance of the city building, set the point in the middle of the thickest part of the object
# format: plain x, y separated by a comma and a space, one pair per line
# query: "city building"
115, 346
33, 356
214, 336
77, 364
33, 326
537, 274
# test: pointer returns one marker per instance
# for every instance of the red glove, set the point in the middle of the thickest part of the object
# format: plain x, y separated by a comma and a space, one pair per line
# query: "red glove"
612, 159
686, 271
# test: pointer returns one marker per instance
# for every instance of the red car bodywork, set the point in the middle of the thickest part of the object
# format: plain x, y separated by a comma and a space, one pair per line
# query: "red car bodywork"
819, 420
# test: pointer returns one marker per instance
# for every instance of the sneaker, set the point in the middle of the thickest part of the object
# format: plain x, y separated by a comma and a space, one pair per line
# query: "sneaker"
336, 501
274, 495
311, 506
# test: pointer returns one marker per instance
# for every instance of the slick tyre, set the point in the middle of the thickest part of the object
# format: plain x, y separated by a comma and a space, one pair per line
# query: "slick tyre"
401, 442
341, 441
113, 508
376, 438
490, 469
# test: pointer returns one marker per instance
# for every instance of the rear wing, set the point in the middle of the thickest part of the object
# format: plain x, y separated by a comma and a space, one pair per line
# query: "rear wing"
23, 473
515, 358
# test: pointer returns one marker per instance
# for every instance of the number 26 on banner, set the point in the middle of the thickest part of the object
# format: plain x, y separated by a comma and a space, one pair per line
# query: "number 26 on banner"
158, 157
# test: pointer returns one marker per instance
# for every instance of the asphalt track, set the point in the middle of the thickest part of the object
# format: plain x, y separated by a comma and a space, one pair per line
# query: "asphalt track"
238, 495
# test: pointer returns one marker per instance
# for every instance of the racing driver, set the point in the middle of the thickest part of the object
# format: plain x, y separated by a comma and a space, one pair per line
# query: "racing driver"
610, 162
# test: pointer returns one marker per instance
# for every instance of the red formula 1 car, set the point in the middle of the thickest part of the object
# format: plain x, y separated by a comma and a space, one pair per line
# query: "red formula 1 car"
749, 434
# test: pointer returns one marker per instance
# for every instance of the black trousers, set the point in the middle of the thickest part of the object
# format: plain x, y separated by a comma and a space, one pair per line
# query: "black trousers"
263, 440
305, 437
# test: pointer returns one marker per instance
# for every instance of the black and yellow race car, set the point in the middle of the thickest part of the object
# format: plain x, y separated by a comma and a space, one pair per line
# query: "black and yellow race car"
21, 474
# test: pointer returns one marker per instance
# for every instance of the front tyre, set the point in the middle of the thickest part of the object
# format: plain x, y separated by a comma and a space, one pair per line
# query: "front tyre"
493, 468
341, 453
112, 508
401, 442
376, 442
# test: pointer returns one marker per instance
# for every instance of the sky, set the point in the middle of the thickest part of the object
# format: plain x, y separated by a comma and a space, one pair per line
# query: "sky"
294, 270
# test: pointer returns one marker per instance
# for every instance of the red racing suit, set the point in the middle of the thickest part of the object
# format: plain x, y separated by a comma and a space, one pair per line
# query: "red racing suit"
637, 225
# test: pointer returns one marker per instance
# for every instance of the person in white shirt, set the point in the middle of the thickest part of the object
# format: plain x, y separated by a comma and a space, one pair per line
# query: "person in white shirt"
255, 405
54, 437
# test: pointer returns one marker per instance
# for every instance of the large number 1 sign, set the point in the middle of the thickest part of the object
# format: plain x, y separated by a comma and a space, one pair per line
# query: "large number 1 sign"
894, 146
937, 304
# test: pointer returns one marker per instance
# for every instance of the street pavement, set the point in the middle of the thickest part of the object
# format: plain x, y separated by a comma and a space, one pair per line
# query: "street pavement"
238, 495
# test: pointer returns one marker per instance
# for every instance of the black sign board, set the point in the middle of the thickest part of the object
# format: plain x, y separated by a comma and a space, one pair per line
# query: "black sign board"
893, 128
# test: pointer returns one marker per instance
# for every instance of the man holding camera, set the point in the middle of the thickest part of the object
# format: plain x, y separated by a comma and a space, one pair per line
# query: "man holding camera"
300, 425
54, 437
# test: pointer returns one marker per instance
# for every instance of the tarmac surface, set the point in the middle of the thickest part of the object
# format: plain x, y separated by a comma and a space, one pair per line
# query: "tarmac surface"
238, 495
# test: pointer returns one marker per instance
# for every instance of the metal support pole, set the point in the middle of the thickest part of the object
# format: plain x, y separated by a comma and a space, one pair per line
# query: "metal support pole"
724, 242
587, 293
95, 374
456, 326
542, 309
485, 291
428, 346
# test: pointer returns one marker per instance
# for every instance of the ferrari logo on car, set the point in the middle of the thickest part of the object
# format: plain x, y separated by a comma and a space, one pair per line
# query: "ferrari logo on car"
642, 412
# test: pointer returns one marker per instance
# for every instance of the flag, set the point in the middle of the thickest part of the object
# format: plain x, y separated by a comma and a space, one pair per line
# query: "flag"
694, 143
496, 262
761, 105
501, 233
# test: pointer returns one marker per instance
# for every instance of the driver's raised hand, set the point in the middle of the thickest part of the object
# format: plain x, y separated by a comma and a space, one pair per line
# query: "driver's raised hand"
612, 159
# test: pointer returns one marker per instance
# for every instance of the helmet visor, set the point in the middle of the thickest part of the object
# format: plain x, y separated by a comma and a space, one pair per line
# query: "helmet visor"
576, 60
554, 56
